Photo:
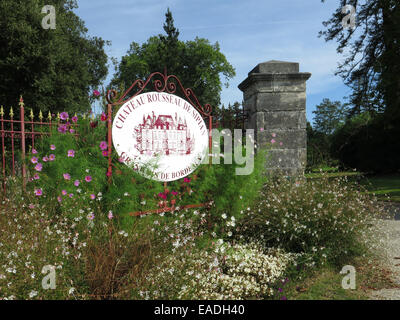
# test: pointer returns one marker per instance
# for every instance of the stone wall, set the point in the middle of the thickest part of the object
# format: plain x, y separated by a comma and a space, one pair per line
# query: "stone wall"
275, 98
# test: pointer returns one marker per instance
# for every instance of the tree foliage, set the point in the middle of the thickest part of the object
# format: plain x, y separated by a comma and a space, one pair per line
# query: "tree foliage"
197, 63
370, 138
53, 69
328, 116
318, 148
372, 48
361, 143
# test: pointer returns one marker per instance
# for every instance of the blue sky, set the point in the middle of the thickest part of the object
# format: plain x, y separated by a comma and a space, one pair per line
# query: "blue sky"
248, 32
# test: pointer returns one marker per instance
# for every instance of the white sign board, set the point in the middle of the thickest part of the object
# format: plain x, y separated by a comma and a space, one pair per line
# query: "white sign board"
160, 135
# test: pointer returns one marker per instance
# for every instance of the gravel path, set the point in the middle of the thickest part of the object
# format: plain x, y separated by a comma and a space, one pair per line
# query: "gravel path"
389, 235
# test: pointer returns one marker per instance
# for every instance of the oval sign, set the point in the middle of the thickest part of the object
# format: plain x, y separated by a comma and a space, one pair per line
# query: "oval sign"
160, 135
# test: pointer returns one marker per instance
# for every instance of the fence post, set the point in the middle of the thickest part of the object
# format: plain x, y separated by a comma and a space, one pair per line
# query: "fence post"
49, 118
22, 118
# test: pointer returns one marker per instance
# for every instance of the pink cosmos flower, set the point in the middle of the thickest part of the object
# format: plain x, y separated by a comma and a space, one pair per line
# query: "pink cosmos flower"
174, 193
34, 151
273, 141
103, 117
96, 93
64, 116
52, 147
108, 174
261, 129
59, 199
162, 195
39, 167
71, 195
31, 206
280, 143
90, 216
92, 196
88, 178
67, 176
52, 157
187, 180
36, 176
74, 119
71, 153
273, 135
62, 128
64, 192
103, 145
71, 131
34, 160
38, 192
45, 159
76, 183
110, 215
104, 153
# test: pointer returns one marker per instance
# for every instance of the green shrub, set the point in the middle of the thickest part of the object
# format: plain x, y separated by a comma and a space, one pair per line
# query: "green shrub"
329, 220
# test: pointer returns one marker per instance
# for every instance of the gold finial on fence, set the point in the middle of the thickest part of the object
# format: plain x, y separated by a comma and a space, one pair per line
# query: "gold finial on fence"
31, 115
1, 111
11, 113
40, 115
21, 102
58, 116
49, 116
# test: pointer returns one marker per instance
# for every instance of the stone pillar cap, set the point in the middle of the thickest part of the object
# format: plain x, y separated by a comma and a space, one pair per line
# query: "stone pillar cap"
276, 66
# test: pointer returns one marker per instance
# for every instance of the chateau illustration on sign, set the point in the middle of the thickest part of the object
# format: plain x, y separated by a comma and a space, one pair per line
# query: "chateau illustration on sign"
163, 134
160, 135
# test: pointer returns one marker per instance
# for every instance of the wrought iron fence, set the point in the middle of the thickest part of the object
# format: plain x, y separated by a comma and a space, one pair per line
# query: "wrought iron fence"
17, 133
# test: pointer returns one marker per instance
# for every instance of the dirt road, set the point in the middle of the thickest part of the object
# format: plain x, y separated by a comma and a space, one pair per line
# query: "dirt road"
389, 247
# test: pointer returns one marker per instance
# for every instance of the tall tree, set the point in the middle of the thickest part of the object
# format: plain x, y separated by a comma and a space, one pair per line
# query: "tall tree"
53, 69
198, 64
372, 65
328, 116
318, 148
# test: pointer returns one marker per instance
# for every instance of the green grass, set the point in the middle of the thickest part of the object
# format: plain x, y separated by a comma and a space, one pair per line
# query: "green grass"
325, 283
385, 187
316, 175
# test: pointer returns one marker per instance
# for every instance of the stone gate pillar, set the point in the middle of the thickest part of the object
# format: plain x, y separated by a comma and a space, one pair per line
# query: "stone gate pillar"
275, 98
